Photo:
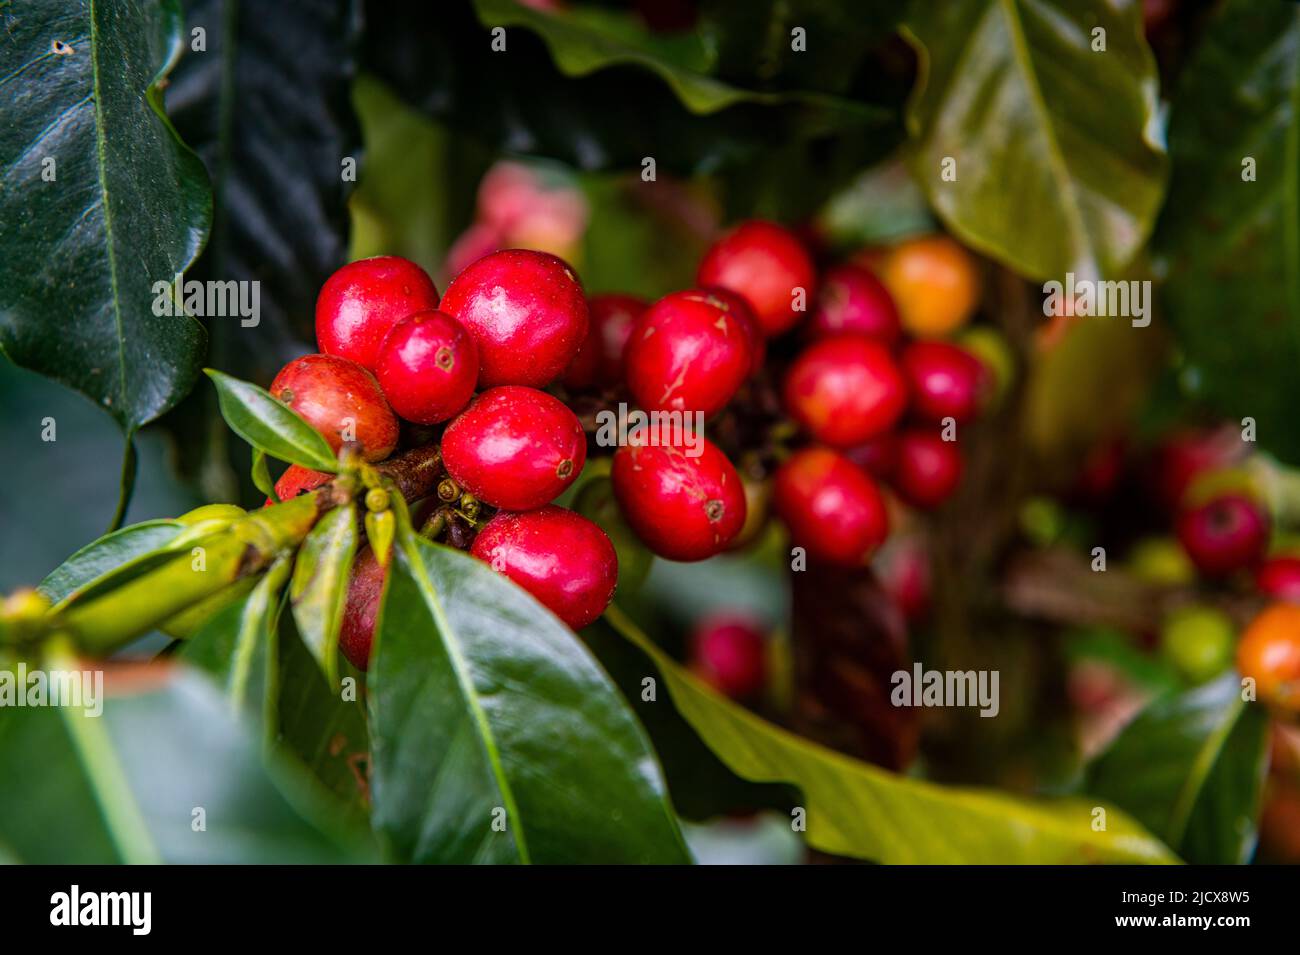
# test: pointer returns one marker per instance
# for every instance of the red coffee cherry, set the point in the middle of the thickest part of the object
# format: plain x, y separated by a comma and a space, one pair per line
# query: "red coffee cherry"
561, 558
298, 480
525, 310
851, 299
599, 362
832, 509
730, 654
341, 400
927, 469
878, 457
1226, 534
682, 507
766, 264
360, 303
687, 352
1279, 578
946, 381
515, 448
845, 390
427, 367
744, 313
365, 588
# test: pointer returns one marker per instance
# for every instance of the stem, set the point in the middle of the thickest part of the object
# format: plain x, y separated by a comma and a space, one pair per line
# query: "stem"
103, 624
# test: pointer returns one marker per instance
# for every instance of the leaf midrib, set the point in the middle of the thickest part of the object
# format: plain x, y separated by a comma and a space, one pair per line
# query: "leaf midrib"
1021, 54
102, 169
460, 668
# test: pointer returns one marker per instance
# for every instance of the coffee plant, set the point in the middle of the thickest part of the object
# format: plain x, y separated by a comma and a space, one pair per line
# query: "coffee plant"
636, 432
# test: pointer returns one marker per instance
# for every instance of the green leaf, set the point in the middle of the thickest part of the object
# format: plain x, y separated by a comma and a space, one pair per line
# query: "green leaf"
124, 787
320, 585
859, 810
1231, 243
563, 88
1191, 768
112, 553
262, 475
271, 426
1060, 164
322, 728
486, 709
124, 205
238, 646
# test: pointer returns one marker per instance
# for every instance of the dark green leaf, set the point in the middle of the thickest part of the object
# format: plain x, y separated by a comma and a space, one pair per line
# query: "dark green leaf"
320, 585
125, 787
563, 86
324, 728
269, 425
123, 206
486, 709
237, 646
262, 475
1232, 287
274, 131
1060, 164
1191, 767
860, 810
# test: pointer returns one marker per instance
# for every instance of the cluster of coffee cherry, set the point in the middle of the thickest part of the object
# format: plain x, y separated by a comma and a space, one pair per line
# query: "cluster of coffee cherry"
401, 366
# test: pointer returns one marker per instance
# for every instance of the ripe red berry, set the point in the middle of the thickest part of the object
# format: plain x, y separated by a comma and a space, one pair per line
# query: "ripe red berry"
360, 303
903, 568
738, 306
515, 448
851, 299
599, 362
946, 381
832, 509
845, 390
927, 469
526, 311
766, 264
1187, 455
1226, 534
561, 558
365, 588
341, 400
682, 507
687, 352
730, 654
427, 367
1279, 578
298, 480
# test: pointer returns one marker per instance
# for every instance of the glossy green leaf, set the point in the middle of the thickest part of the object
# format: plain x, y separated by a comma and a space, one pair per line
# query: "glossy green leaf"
860, 810
238, 646
100, 202
324, 728
1191, 768
271, 426
563, 87
1229, 232
112, 553
262, 475
1059, 157
319, 588
495, 735
134, 784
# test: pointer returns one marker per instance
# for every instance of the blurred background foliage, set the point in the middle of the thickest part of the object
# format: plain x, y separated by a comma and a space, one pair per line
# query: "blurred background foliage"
1068, 158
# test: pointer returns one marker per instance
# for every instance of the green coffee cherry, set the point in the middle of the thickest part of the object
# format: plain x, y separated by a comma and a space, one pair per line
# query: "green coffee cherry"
1198, 641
